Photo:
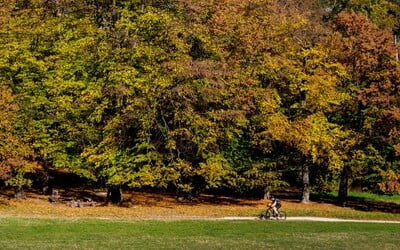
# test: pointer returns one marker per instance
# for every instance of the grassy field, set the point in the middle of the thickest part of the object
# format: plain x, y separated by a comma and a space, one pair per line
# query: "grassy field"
160, 221
27, 233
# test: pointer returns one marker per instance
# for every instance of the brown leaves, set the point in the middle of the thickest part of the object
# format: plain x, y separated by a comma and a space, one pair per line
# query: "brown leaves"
365, 48
13, 152
369, 54
247, 30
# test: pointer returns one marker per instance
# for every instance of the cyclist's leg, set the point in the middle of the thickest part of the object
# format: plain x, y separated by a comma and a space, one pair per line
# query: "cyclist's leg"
269, 213
276, 213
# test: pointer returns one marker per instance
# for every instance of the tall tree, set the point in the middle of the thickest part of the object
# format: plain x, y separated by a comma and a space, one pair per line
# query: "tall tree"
280, 59
16, 157
370, 57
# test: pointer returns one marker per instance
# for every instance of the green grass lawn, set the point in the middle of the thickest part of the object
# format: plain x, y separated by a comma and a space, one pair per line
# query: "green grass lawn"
365, 196
395, 198
28, 233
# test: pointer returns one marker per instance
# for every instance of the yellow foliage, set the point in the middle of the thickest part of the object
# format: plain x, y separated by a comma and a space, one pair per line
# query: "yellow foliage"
319, 139
278, 127
214, 170
397, 149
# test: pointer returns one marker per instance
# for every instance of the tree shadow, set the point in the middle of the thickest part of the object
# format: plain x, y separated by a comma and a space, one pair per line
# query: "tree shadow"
4, 198
157, 198
223, 200
79, 194
357, 203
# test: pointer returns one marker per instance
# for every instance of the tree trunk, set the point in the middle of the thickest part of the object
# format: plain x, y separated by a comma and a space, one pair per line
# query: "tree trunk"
306, 183
19, 192
267, 194
114, 194
343, 186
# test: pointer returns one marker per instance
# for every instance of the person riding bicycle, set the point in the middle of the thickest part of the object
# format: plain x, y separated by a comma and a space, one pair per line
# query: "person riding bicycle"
275, 205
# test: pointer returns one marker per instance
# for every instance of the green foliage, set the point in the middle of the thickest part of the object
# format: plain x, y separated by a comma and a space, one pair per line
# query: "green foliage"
374, 173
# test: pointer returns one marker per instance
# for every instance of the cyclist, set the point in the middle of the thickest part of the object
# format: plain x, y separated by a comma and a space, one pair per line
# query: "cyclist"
275, 205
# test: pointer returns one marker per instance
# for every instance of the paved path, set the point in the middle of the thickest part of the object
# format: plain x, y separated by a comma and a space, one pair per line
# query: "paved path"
227, 218
339, 220
313, 219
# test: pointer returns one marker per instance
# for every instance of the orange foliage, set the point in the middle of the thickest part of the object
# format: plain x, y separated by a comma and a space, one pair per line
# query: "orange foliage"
391, 183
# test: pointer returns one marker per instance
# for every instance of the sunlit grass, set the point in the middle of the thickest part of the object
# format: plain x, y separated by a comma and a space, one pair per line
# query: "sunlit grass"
28, 233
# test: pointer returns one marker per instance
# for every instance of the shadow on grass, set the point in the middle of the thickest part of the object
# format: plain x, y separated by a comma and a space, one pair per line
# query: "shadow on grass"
4, 198
359, 203
158, 198
167, 199
163, 199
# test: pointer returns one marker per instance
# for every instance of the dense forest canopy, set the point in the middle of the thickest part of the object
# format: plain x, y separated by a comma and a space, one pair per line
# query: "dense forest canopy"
237, 96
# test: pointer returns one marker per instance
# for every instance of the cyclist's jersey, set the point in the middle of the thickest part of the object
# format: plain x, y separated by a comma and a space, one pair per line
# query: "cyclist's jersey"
278, 203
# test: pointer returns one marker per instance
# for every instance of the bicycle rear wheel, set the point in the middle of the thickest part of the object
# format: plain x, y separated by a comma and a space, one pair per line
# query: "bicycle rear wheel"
268, 214
282, 215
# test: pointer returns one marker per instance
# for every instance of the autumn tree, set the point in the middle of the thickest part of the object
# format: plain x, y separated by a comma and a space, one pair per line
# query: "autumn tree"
16, 154
193, 95
369, 54
16, 157
283, 67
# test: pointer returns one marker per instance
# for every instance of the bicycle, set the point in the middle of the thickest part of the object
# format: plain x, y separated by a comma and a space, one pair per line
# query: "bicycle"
270, 214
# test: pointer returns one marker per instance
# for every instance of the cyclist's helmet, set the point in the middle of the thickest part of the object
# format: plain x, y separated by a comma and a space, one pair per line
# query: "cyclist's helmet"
272, 198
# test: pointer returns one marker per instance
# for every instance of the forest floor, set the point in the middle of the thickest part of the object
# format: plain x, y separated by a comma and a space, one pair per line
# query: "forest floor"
164, 206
